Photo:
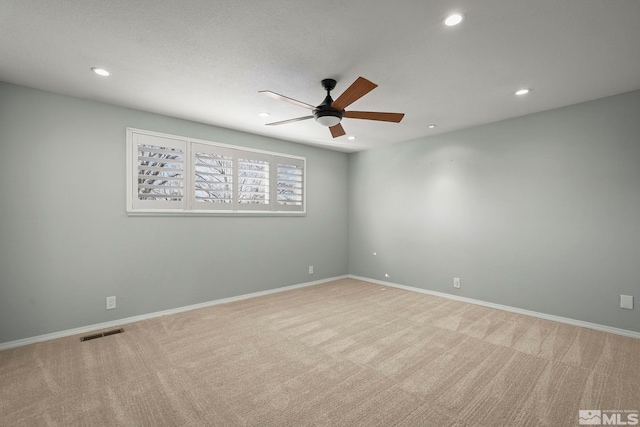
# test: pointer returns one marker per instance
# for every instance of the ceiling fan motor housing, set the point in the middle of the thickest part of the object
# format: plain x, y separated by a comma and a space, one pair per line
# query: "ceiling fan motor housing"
325, 114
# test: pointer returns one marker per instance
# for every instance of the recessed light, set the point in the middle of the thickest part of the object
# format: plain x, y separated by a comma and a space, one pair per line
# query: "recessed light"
264, 114
101, 71
453, 19
523, 91
351, 137
431, 126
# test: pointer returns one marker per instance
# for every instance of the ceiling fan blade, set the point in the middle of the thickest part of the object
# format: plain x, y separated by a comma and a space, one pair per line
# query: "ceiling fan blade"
371, 115
287, 99
284, 122
337, 130
357, 90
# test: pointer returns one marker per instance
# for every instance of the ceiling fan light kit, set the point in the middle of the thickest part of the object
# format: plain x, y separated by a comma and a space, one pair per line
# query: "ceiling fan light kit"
330, 112
328, 118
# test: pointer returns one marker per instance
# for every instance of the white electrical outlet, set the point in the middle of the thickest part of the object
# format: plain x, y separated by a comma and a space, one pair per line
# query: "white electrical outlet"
111, 303
311, 269
626, 301
456, 282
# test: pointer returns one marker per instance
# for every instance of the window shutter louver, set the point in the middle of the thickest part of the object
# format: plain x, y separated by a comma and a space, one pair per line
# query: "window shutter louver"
214, 177
160, 182
289, 184
253, 180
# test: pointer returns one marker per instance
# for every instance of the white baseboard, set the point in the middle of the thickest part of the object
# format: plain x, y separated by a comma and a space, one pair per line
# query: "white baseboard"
545, 316
120, 322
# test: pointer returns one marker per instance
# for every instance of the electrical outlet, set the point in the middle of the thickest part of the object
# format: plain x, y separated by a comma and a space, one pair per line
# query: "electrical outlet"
626, 301
311, 269
111, 303
456, 282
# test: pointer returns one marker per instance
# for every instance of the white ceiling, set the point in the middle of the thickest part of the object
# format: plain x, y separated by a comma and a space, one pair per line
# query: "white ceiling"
206, 60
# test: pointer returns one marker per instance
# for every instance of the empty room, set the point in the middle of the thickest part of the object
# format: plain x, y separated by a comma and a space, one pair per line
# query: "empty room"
363, 213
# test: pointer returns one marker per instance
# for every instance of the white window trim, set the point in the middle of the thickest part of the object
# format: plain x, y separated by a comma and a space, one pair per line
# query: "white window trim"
189, 205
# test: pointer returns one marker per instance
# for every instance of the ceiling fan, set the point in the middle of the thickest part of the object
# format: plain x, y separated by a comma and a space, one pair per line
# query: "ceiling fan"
331, 112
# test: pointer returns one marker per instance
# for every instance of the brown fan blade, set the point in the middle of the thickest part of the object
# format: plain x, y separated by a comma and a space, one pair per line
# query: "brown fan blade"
371, 115
337, 130
284, 122
287, 99
357, 90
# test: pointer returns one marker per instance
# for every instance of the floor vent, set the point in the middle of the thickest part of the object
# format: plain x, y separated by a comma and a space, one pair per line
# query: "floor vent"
102, 334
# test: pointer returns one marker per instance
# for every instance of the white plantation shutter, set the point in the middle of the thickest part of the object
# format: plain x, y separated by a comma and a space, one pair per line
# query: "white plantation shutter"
253, 180
173, 175
213, 177
289, 184
159, 173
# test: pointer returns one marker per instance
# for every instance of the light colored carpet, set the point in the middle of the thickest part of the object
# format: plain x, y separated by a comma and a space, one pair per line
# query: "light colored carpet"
345, 353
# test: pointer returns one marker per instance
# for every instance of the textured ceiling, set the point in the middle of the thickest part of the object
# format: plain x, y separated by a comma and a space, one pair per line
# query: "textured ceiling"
206, 60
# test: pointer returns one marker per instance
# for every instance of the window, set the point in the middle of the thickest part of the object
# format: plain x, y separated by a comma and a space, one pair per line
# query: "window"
173, 175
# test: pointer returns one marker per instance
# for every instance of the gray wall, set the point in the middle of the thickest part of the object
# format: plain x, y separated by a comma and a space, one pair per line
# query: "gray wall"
66, 242
540, 212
